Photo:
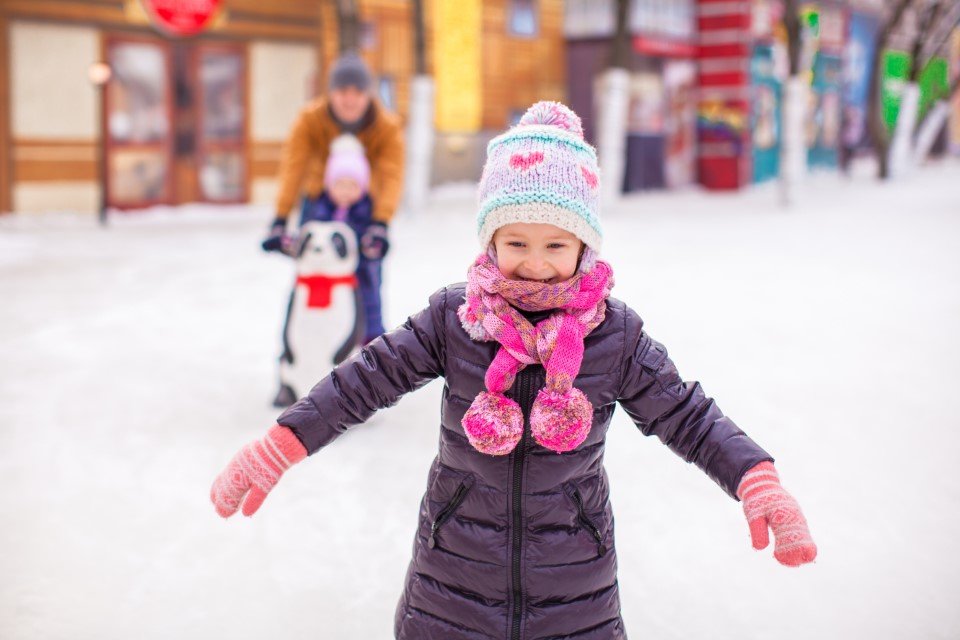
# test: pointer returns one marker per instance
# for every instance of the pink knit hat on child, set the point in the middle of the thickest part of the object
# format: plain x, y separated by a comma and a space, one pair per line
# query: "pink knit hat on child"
347, 160
541, 171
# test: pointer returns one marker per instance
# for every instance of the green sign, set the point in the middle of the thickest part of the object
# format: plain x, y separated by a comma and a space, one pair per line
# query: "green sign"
896, 71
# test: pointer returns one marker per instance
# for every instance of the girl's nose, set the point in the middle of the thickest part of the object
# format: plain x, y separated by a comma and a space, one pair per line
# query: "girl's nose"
536, 263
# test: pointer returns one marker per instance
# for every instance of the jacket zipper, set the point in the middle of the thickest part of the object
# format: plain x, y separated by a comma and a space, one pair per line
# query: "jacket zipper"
582, 516
446, 512
519, 454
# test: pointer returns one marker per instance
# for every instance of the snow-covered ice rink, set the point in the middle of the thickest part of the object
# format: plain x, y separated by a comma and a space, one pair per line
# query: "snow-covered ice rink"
136, 359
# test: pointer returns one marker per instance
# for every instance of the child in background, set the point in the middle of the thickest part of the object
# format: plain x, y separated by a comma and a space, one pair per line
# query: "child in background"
515, 537
346, 180
345, 198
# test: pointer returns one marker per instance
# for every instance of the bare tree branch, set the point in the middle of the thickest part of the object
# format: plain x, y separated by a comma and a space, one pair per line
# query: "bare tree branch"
419, 48
791, 24
941, 33
348, 21
933, 34
928, 17
621, 43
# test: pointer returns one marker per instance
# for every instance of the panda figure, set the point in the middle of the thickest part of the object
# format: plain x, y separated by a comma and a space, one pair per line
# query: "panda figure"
324, 322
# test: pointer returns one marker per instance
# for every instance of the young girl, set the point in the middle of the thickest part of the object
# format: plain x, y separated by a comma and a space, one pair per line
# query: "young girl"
515, 538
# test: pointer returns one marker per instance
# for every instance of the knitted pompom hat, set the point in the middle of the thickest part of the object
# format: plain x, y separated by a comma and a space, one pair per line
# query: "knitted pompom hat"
542, 171
347, 160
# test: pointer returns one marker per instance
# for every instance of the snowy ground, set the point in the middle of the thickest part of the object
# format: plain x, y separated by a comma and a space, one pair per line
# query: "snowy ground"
135, 360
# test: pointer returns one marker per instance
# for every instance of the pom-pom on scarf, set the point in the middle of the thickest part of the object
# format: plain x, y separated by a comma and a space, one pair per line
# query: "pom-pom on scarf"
561, 415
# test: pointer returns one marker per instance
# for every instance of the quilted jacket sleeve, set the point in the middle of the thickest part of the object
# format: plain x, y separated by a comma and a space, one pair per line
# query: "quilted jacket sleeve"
679, 413
396, 363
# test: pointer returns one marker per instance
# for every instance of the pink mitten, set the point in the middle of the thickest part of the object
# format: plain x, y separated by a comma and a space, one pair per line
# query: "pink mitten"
254, 471
767, 504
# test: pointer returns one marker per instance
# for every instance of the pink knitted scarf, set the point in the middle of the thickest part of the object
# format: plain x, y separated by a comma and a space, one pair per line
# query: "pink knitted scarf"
561, 415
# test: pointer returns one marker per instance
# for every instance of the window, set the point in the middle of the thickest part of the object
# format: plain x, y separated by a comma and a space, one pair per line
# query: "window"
386, 89
523, 17
138, 104
221, 134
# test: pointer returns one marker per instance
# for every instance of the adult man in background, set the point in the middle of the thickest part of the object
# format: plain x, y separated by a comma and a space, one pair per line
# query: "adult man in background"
348, 107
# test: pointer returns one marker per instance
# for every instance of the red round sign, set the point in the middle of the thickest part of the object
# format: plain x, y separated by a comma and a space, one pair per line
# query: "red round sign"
182, 17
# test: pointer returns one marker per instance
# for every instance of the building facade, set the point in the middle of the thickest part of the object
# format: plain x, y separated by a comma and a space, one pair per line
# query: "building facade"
661, 120
202, 117
182, 119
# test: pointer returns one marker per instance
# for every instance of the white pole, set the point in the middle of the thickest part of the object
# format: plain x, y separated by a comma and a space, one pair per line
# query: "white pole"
900, 150
419, 143
931, 126
612, 131
796, 94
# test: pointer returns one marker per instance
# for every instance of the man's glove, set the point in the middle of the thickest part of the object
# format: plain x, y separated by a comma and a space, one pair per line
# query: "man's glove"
274, 239
374, 243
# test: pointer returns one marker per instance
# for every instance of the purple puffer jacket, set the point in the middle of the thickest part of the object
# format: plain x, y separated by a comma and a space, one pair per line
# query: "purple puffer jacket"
520, 546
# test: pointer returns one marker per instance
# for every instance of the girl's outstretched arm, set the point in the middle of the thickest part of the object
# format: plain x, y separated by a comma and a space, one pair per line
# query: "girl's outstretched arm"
692, 425
393, 364
396, 363
680, 414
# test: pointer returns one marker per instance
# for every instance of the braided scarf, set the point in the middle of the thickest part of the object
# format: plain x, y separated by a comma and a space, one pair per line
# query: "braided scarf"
561, 415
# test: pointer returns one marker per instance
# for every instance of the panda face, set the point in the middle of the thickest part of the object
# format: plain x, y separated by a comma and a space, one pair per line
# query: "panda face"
329, 248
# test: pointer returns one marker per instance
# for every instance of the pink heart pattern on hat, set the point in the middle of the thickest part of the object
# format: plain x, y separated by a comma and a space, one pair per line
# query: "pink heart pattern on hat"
524, 161
590, 177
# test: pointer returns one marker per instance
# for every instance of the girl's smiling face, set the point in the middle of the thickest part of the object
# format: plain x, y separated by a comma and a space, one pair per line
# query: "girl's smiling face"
536, 252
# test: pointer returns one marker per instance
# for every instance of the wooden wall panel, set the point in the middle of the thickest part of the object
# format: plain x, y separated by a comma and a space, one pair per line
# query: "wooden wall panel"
292, 10
518, 71
392, 53
330, 41
54, 160
105, 12
265, 159
277, 19
6, 197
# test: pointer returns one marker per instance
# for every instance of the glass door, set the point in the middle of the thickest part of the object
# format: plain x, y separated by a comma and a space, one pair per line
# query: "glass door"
137, 114
221, 127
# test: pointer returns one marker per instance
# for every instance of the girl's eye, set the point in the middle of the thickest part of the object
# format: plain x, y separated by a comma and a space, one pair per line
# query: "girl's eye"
515, 243
556, 245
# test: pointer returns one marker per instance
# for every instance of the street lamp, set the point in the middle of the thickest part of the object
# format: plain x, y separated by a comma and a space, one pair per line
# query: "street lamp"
99, 74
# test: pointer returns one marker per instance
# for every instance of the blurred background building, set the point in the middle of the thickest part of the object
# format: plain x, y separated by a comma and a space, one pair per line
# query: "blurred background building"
199, 99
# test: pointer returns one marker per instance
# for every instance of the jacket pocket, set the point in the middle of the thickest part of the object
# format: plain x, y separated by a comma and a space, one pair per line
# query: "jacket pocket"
449, 509
585, 521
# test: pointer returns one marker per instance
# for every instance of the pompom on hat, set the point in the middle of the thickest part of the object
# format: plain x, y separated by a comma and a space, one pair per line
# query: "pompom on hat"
347, 160
542, 171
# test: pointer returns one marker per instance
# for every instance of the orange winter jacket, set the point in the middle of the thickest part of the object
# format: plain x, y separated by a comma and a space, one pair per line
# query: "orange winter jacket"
306, 149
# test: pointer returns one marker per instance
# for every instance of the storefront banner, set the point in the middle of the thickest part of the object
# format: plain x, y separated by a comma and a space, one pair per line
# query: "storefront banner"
823, 125
896, 68
680, 83
765, 116
932, 81
589, 18
856, 78
647, 104
954, 75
